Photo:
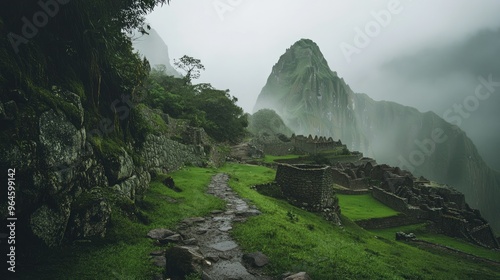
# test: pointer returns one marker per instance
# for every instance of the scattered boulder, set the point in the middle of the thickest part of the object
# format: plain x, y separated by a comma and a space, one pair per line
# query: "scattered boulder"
182, 261
257, 259
401, 236
169, 182
298, 276
160, 233
176, 238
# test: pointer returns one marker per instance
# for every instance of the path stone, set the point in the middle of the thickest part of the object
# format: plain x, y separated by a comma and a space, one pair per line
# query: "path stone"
160, 233
256, 259
224, 246
213, 235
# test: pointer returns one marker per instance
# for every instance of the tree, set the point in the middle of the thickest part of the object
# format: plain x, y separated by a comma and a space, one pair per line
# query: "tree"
191, 66
225, 121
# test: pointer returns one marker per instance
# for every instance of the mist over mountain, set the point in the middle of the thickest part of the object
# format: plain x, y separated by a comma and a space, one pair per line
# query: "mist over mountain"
155, 50
312, 99
440, 78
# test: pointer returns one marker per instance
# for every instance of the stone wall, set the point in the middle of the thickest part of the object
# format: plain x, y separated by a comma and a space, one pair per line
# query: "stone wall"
389, 199
278, 149
314, 145
340, 178
309, 187
388, 222
66, 180
421, 199
159, 152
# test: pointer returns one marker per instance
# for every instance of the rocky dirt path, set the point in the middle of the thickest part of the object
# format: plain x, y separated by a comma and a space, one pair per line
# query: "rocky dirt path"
212, 235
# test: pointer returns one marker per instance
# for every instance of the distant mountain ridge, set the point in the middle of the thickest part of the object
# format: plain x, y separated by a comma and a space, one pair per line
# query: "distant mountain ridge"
312, 99
155, 50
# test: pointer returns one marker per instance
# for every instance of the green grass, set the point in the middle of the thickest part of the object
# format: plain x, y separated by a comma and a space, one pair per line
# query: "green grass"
124, 254
363, 207
422, 233
271, 159
326, 251
308, 243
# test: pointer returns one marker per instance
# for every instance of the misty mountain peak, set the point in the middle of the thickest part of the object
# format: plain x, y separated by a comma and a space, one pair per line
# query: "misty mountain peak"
303, 55
311, 98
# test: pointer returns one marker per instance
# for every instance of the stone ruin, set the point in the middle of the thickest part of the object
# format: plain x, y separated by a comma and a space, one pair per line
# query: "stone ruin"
278, 145
309, 187
417, 198
314, 145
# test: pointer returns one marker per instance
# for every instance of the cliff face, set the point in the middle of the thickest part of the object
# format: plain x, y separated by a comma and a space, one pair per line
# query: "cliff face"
312, 99
155, 50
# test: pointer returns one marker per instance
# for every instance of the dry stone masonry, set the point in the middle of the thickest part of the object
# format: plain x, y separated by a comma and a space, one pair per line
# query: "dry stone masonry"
278, 146
68, 179
309, 187
418, 198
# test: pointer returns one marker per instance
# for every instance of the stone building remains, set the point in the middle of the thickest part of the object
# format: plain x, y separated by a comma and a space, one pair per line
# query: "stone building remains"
309, 187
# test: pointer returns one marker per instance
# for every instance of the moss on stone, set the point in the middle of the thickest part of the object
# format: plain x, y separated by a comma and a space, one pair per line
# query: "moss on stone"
145, 121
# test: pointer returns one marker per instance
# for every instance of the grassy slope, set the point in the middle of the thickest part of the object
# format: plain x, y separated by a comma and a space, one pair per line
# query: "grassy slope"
329, 252
310, 244
271, 159
362, 207
125, 252
455, 243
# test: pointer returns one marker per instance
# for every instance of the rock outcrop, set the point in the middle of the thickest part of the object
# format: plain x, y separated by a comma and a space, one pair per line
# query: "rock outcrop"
68, 175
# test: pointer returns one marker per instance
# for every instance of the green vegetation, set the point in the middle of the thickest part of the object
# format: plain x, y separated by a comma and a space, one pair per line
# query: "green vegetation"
326, 251
124, 254
202, 105
86, 43
295, 240
421, 232
363, 207
272, 159
267, 121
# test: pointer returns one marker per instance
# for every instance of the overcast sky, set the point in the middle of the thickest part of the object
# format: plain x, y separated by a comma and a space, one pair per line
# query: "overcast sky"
239, 41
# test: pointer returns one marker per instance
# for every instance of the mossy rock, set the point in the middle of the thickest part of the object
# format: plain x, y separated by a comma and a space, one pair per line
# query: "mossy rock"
146, 121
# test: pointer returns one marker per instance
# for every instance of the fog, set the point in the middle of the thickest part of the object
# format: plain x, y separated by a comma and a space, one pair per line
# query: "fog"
426, 54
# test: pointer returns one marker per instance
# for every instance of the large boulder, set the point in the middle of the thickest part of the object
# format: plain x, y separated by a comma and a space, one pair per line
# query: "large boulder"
183, 260
49, 224
61, 142
91, 214
119, 166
